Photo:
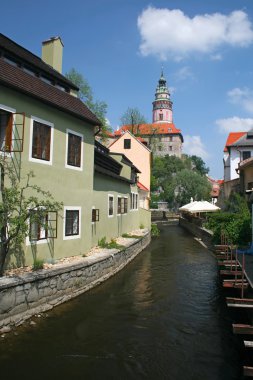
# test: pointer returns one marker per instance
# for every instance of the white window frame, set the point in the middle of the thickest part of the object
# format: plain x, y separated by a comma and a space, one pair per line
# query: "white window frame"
119, 196
33, 242
11, 110
133, 201
51, 125
111, 195
72, 208
126, 197
66, 153
122, 197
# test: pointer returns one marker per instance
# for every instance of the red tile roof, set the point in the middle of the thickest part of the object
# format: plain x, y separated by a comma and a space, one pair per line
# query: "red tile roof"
232, 138
142, 187
149, 129
14, 77
141, 139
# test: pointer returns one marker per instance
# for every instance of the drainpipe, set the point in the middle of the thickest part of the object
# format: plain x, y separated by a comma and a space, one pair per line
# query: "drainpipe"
98, 131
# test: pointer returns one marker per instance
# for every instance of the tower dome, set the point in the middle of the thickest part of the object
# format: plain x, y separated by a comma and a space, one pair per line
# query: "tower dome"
162, 105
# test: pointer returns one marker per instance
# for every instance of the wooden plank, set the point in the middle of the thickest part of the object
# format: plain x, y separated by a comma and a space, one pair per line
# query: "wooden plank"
240, 305
223, 257
229, 265
221, 246
239, 280
233, 299
230, 285
248, 371
227, 272
239, 328
248, 343
222, 262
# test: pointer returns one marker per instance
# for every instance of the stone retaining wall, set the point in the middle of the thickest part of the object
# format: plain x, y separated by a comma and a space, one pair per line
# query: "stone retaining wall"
21, 297
201, 233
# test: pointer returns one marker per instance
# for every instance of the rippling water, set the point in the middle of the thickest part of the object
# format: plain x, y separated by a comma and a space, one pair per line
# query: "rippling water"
163, 317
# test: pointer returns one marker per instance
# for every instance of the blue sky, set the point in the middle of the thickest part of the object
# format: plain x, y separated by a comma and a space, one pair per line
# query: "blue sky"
205, 48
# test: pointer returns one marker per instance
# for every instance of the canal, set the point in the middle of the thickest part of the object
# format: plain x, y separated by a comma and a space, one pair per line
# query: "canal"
162, 317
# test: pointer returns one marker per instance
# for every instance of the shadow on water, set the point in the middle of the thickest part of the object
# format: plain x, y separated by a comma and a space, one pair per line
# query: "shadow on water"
162, 317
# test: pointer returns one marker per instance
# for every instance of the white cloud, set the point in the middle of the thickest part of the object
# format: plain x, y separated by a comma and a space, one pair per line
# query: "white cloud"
216, 57
172, 90
170, 34
183, 74
194, 146
242, 97
234, 124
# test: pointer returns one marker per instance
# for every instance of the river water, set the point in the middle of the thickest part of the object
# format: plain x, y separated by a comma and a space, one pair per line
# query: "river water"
162, 317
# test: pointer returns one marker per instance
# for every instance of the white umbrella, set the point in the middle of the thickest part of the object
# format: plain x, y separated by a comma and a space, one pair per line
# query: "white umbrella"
200, 206
187, 206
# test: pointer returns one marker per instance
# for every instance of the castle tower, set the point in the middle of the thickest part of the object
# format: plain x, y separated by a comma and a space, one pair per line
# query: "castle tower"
162, 105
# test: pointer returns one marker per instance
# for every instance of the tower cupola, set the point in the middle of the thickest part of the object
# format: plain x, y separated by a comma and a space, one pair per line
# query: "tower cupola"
162, 105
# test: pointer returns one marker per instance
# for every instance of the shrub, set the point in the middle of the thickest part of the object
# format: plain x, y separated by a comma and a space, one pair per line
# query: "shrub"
38, 264
154, 230
113, 244
142, 226
102, 242
131, 236
236, 226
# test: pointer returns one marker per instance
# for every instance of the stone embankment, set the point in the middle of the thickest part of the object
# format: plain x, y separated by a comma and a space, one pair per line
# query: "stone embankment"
28, 294
161, 215
202, 234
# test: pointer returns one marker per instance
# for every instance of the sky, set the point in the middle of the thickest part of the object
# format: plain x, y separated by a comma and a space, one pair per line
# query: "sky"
120, 46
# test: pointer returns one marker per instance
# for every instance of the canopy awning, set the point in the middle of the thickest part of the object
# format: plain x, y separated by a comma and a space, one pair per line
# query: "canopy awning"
199, 206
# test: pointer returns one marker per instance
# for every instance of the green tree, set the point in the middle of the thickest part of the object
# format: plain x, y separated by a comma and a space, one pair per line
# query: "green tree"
20, 206
189, 184
198, 165
99, 108
180, 178
133, 117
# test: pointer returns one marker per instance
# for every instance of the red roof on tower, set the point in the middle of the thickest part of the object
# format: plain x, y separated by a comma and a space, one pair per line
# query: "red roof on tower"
149, 129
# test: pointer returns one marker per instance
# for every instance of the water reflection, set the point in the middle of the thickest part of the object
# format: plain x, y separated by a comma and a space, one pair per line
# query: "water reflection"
160, 318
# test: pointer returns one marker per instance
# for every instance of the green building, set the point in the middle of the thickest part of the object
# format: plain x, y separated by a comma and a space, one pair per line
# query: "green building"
46, 128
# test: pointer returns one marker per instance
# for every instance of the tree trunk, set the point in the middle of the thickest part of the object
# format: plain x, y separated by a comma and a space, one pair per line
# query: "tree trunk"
3, 255
3, 244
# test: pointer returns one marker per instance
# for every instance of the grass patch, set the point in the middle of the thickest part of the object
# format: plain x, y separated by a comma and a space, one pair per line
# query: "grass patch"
38, 264
155, 232
131, 236
102, 243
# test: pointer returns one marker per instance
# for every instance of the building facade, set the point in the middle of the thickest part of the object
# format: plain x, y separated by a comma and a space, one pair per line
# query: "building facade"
161, 136
45, 128
140, 155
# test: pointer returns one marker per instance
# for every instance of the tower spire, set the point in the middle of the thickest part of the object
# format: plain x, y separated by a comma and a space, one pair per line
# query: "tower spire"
162, 105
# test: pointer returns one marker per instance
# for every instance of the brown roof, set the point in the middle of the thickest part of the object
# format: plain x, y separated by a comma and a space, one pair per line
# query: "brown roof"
14, 77
23, 55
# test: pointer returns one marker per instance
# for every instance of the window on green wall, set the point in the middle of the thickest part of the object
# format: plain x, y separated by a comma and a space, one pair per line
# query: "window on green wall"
74, 149
6, 121
110, 205
72, 222
38, 226
122, 205
41, 141
134, 201
95, 215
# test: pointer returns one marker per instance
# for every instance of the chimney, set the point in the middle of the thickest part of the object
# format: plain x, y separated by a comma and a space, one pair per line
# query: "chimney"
52, 50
